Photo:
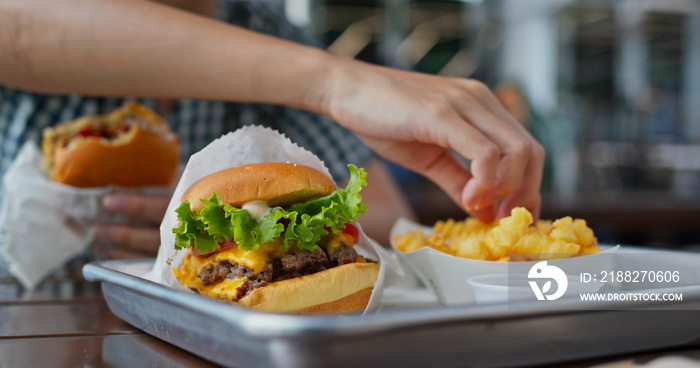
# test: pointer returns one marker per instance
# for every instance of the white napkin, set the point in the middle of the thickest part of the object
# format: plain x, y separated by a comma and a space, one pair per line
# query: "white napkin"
44, 224
250, 144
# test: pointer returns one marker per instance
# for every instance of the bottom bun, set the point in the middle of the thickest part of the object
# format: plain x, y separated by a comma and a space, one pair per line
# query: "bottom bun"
356, 302
341, 289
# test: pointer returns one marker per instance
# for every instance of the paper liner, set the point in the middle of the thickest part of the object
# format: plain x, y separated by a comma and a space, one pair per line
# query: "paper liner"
446, 275
44, 224
247, 145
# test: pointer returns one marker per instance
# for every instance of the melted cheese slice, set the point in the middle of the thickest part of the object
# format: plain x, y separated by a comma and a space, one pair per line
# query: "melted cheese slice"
226, 289
254, 259
187, 275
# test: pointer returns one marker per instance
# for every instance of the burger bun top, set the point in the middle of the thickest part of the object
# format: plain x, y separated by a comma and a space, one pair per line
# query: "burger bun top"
277, 183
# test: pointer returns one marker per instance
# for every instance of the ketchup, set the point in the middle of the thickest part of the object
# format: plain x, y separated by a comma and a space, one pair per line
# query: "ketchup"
87, 132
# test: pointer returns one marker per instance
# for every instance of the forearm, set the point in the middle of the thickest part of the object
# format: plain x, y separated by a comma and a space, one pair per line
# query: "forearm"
140, 48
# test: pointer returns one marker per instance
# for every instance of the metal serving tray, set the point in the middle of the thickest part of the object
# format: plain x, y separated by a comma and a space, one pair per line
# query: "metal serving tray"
526, 334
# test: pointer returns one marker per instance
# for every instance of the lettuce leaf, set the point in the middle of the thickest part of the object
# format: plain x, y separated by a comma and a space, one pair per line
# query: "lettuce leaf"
305, 222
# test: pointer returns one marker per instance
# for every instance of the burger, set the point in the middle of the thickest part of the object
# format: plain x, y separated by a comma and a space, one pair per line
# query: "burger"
275, 237
131, 147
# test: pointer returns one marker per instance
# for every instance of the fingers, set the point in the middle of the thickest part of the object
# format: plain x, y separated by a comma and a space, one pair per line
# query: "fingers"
117, 253
452, 131
149, 208
528, 193
128, 241
484, 156
486, 163
122, 239
511, 139
434, 162
521, 162
523, 189
499, 158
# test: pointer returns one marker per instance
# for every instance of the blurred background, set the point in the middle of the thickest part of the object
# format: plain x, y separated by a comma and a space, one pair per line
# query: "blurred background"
611, 88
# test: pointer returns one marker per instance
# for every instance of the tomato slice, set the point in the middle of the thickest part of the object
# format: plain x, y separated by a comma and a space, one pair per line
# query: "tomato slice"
222, 245
87, 132
351, 230
84, 132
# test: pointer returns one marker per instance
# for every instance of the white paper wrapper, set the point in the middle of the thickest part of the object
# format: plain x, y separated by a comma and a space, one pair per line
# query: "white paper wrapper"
447, 275
248, 145
44, 224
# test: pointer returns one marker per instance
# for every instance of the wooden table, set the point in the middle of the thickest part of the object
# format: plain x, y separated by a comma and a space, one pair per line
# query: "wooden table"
67, 323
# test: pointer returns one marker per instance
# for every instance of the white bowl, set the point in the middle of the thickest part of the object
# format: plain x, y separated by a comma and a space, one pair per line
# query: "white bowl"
445, 274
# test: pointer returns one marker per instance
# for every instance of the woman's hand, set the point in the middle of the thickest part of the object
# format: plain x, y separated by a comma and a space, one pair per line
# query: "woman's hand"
416, 120
129, 241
